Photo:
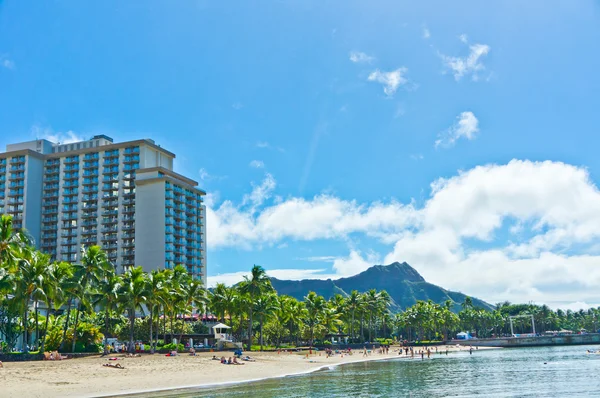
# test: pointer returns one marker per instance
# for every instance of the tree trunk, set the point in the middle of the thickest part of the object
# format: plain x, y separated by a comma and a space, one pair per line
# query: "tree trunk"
25, 348
250, 331
352, 328
75, 327
151, 334
66, 327
261, 336
131, 329
37, 325
49, 303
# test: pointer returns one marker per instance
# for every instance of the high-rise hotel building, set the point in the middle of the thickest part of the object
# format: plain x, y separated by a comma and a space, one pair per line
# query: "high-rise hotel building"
124, 197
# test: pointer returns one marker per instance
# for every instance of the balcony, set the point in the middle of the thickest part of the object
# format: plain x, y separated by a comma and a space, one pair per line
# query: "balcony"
128, 218
88, 232
89, 214
49, 228
69, 233
49, 171
110, 212
132, 150
50, 219
111, 201
128, 235
129, 210
128, 176
88, 223
110, 229
109, 237
48, 203
89, 240
90, 165
90, 189
128, 253
110, 187
110, 220
90, 198
128, 227
70, 192
128, 244
108, 170
48, 243
17, 168
110, 162
131, 159
91, 156
110, 178
51, 194
68, 242
90, 181
109, 246
128, 201
52, 162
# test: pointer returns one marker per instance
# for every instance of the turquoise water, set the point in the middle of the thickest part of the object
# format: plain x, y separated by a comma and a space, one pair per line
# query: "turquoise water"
523, 372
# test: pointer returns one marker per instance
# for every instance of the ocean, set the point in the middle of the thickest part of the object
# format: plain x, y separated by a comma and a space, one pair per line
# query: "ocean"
567, 371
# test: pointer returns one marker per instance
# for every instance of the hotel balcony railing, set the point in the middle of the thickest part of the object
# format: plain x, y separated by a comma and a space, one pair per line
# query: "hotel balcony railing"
74, 167
89, 214
48, 203
128, 227
51, 170
68, 233
69, 217
51, 194
93, 231
128, 218
91, 156
68, 242
91, 240
128, 209
53, 178
89, 223
110, 220
108, 246
128, 244
90, 190
50, 219
106, 230
69, 258
90, 165
108, 237
17, 168
90, 181
127, 235
128, 253
71, 159
110, 178
110, 212
128, 201
131, 150
110, 162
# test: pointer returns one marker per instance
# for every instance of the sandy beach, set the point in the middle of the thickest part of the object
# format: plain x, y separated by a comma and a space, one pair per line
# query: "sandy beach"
86, 377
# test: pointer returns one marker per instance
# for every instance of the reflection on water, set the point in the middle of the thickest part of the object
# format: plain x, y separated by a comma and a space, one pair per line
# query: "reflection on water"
525, 372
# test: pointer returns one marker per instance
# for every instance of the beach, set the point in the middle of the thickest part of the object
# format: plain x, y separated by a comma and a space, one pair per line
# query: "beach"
86, 377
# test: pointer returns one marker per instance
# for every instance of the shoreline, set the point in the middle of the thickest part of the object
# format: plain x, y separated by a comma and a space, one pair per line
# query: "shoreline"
184, 389
156, 374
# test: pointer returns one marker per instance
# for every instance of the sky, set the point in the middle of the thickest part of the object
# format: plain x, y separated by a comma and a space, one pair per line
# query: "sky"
461, 137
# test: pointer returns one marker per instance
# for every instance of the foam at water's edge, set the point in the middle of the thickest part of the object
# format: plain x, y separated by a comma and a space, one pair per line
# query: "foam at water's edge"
190, 388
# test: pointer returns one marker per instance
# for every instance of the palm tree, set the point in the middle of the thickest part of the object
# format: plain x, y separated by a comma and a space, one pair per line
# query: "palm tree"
94, 266
217, 300
58, 281
29, 286
107, 297
133, 294
193, 295
265, 307
315, 308
256, 285
155, 287
353, 303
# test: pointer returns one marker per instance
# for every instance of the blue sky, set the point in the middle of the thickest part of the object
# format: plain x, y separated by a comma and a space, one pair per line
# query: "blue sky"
313, 127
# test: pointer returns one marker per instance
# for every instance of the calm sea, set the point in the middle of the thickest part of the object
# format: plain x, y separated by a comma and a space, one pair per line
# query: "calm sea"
525, 372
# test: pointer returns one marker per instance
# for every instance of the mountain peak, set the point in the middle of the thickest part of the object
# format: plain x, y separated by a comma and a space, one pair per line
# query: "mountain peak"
394, 271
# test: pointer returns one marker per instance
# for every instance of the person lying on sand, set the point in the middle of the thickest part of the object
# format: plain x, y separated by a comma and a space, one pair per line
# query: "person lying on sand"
116, 365
248, 359
214, 358
130, 355
223, 360
56, 356
235, 362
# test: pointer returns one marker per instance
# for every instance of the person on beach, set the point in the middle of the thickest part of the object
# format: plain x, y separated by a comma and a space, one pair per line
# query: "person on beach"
422, 355
470, 350
235, 362
116, 366
428, 353
365, 352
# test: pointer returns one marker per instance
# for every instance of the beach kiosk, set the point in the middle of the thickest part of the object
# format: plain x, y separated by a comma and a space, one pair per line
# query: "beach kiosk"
464, 336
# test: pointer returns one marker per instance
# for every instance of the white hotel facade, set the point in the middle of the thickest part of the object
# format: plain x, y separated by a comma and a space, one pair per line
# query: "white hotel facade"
124, 197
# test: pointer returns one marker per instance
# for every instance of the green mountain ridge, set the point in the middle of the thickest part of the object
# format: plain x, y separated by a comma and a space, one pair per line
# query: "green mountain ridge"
402, 282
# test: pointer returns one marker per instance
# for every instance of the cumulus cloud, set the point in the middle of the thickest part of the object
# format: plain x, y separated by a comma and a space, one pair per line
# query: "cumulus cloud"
257, 164
471, 64
426, 33
455, 238
390, 80
466, 126
62, 137
360, 57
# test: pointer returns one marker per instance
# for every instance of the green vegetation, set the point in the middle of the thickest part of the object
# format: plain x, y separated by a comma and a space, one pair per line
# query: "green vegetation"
89, 300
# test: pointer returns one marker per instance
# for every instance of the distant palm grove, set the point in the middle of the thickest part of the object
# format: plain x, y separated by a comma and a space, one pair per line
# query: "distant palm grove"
88, 301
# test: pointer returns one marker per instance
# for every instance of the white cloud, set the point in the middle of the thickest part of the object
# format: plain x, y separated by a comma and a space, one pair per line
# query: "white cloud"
286, 274
454, 238
467, 65
206, 176
7, 63
266, 145
322, 217
464, 38
390, 80
66, 137
257, 164
360, 57
466, 126
426, 33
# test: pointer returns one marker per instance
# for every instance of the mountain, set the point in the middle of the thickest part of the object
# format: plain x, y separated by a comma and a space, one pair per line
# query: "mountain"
402, 282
